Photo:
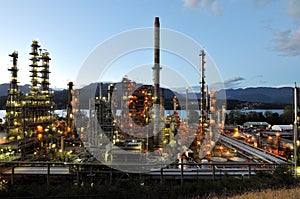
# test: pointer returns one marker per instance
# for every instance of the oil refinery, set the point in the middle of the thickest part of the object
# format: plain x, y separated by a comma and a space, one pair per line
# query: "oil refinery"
126, 127
30, 113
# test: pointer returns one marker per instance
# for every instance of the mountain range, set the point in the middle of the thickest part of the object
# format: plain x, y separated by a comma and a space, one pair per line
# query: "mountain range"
251, 94
266, 95
262, 94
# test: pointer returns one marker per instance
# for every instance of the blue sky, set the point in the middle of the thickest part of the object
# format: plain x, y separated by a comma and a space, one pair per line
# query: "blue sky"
253, 43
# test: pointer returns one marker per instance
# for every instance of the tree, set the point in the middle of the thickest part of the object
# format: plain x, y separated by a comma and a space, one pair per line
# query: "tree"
272, 118
255, 117
236, 117
287, 115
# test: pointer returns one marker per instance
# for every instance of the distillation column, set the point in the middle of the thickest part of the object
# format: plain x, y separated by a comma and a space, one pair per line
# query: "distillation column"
70, 117
38, 106
13, 102
45, 73
47, 99
34, 67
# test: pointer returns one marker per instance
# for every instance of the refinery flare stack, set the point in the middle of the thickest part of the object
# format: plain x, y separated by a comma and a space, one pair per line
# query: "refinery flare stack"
30, 114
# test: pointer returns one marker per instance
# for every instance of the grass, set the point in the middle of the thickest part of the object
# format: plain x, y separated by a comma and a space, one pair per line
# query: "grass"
293, 193
279, 184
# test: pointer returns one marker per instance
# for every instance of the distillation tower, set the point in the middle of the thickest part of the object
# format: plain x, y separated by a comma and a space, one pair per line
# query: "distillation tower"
31, 113
70, 113
13, 105
38, 104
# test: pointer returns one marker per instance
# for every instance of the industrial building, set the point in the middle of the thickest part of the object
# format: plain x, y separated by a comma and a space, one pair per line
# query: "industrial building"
256, 126
30, 114
141, 117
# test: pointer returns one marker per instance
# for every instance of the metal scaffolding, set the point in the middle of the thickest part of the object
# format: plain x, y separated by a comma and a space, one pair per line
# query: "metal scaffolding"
13, 104
31, 113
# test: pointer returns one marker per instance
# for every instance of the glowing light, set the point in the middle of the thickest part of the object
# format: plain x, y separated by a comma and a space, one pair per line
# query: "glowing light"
298, 170
40, 136
255, 144
270, 138
39, 129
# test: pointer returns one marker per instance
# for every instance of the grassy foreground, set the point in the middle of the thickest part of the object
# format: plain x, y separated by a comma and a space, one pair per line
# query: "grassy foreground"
279, 184
292, 193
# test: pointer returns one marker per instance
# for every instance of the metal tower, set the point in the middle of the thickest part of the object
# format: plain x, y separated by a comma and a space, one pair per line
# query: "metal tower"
38, 105
13, 109
70, 116
34, 67
45, 72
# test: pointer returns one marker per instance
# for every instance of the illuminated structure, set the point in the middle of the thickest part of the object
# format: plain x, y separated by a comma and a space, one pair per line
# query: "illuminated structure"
198, 146
34, 67
70, 115
139, 105
202, 96
156, 78
103, 117
13, 106
128, 87
31, 113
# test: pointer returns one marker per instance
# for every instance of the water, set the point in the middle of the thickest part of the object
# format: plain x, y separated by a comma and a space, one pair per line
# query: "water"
181, 113
279, 111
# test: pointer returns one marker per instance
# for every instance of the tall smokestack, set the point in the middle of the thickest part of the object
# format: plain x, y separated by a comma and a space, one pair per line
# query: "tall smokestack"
156, 66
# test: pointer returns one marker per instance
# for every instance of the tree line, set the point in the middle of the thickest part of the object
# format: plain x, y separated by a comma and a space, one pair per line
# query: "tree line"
238, 117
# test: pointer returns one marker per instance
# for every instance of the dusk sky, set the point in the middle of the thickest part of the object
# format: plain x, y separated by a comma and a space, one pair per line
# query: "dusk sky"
253, 43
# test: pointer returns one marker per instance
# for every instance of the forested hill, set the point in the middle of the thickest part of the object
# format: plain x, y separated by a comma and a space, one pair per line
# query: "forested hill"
262, 94
257, 98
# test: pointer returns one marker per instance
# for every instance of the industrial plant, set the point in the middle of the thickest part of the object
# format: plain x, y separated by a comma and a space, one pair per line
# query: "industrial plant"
30, 114
32, 128
129, 125
126, 128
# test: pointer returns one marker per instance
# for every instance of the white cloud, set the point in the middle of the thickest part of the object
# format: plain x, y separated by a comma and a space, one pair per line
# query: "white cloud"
284, 85
232, 82
190, 3
288, 42
293, 8
205, 4
216, 8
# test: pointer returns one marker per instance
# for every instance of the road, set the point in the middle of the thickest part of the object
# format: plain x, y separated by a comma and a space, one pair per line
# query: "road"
255, 152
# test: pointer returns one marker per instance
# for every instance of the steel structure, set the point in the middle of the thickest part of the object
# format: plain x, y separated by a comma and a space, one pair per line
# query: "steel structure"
70, 114
13, 105
30, 113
